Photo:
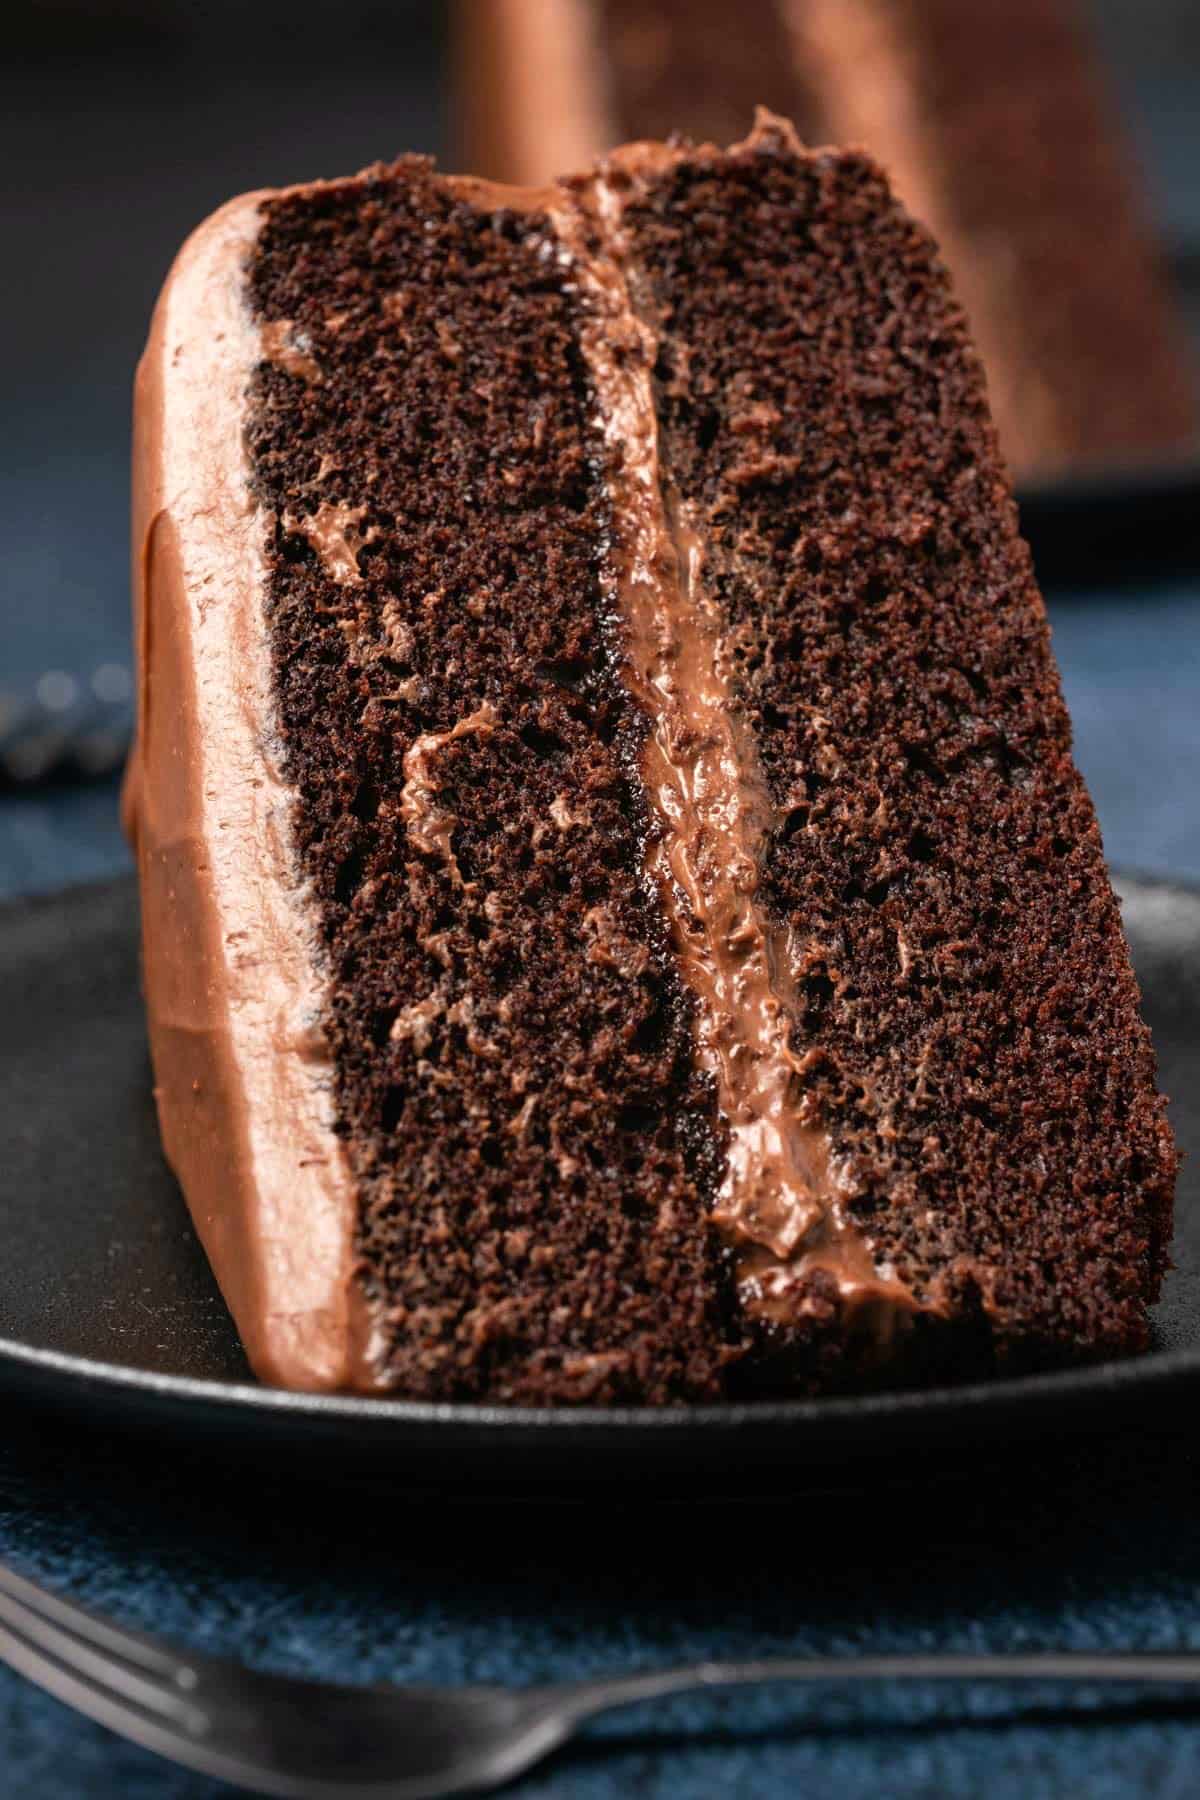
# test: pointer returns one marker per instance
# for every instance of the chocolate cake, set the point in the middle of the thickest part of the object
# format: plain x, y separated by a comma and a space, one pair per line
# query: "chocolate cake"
992, 121
621, 922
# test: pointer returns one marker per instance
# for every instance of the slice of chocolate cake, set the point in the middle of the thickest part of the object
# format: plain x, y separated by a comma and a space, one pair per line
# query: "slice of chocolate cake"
992, 121
621, 921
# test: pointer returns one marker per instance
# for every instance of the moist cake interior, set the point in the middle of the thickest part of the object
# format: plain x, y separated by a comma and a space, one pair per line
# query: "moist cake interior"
538, 1143
511, 1040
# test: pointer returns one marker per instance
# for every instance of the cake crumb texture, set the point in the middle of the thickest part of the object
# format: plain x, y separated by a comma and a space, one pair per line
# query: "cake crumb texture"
970, 1016
511, 1052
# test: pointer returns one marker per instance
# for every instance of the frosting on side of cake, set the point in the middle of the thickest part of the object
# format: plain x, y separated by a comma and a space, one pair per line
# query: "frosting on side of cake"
231, 970
783, 1198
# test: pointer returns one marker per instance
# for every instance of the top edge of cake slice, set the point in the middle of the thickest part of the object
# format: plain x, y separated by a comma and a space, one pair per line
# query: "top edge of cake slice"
621, 919
996, 126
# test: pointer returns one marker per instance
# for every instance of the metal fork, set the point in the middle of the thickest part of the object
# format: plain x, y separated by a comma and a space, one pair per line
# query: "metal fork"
312, 1740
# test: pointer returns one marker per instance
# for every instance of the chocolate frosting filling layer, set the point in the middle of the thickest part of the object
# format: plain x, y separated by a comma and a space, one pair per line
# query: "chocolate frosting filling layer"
782, 1204
231, 965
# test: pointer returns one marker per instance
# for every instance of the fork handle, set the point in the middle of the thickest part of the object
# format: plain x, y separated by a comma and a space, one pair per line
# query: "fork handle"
586, 1699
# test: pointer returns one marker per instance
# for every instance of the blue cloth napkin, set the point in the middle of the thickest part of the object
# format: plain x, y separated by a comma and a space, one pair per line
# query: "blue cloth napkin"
1097, 1548
1092, 1547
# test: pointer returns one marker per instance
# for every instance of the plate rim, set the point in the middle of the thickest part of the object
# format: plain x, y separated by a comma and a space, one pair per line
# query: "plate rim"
1154, 1369
71, 1377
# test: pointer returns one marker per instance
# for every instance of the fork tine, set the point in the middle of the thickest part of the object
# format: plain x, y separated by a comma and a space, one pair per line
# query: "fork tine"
186, 1742
130, 1646
54, 1643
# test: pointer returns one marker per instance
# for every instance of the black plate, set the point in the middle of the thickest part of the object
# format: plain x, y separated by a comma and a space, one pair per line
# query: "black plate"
107, 1306
1103, 526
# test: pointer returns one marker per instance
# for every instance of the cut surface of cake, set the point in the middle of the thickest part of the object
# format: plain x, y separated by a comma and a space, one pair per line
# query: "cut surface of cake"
992, 121
621, 921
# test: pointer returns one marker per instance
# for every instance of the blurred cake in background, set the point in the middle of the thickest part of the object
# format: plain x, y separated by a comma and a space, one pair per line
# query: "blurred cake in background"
993, 120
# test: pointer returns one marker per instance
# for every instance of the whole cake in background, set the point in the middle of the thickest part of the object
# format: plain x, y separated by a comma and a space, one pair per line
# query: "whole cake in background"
621, 922
992, 120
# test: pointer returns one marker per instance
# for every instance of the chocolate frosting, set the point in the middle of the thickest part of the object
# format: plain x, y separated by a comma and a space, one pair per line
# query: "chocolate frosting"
333, 532
280, 344
233, 997
783, 1198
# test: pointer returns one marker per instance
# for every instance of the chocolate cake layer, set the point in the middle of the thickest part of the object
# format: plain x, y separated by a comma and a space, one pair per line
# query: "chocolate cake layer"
611, 858
514, 1074
964, 1016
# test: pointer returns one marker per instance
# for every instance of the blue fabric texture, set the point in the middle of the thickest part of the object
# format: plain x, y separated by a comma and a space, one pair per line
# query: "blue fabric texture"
1095, 1546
